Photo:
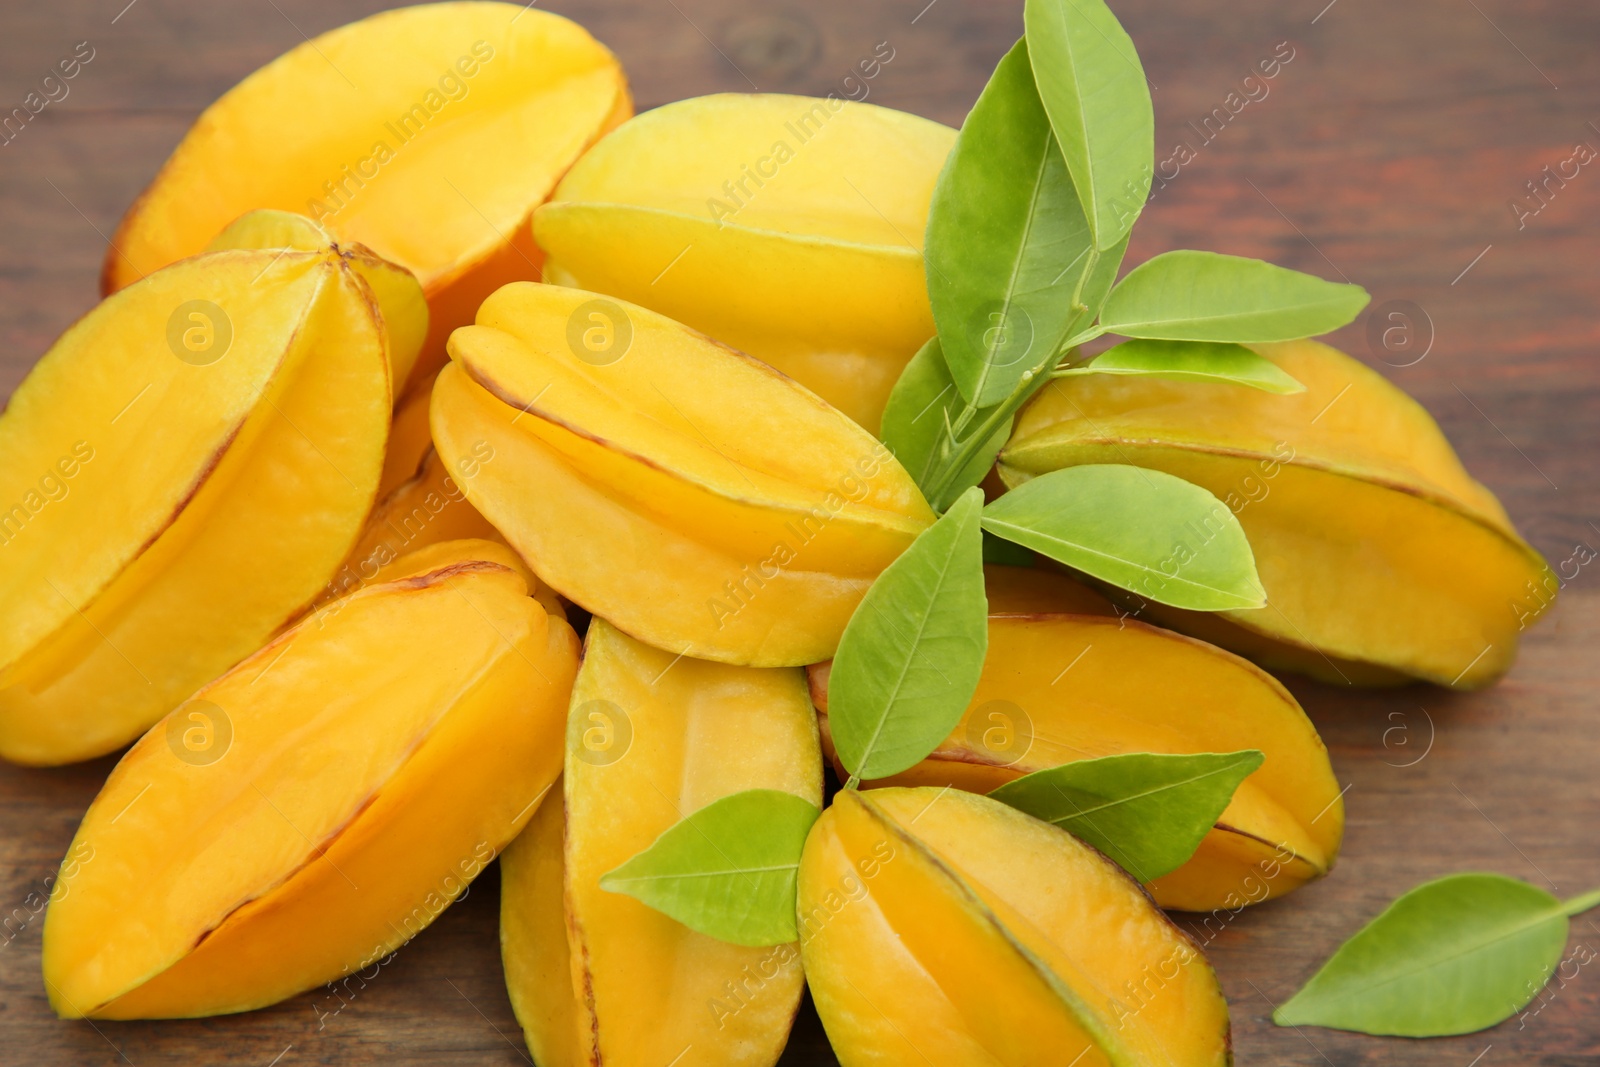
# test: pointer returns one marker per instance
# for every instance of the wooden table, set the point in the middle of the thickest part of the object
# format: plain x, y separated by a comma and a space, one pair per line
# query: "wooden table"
1387, 152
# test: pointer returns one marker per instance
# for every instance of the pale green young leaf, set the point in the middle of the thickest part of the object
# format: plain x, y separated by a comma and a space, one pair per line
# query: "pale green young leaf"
728, 870
1191, 361
1452, 956
1144, 530
911, 654
1094, 89
916, 426
1007, 241
1206, 296
1148, 811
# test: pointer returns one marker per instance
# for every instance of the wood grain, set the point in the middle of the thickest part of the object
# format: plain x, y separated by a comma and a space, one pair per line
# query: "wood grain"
1387, 151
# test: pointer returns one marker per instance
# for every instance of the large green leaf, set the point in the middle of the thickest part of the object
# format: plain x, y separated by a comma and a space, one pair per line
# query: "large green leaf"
1194, 361
1146, 810
728, 870
1007, 241
910, 657
1162, 537
1450, 957
1093, 87
917, 421
1206, 296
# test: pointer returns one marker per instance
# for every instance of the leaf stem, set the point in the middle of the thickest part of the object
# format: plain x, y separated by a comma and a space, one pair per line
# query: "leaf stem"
1085, 337
956, 458
968, 447
1083, 279
1580, 904
853, 783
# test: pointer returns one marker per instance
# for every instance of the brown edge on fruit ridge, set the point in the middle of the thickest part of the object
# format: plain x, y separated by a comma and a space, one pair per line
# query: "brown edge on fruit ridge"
1320, 871
819, 692
341, 260
108, 263
965, 756
1445, 503
439, 576
317, 851
585, 996
199, 482
1506, 533
505, 396
193, 491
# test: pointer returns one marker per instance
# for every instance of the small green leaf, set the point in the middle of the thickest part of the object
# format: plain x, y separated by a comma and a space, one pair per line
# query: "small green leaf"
1195, 361
1148, 811
728, 870
1205, 296
1094, 89
910, 657
1007, 242
1452, 956
1162, 537
917, 420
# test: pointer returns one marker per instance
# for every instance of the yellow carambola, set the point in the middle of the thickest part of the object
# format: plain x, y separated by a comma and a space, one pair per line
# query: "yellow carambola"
686, 493
942, 927
218, 430
600, 977
1383, 560
308, 812
788, 227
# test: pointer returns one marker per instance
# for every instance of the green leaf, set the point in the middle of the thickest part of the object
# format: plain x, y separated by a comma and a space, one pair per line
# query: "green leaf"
1148, 811
1194, 361
1007, 241
910, 657
1160, 536
1205, 296
728, 870
1094, 89
916, 426
1452, 956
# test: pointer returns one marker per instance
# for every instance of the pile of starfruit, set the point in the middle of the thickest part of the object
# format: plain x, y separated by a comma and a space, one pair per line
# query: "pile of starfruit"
725, 518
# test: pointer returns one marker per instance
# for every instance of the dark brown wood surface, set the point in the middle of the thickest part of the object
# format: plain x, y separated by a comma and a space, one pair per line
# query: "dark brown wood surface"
1388, 152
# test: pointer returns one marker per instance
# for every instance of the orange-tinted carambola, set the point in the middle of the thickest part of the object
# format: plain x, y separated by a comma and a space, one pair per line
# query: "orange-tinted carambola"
302, 816
466, 116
